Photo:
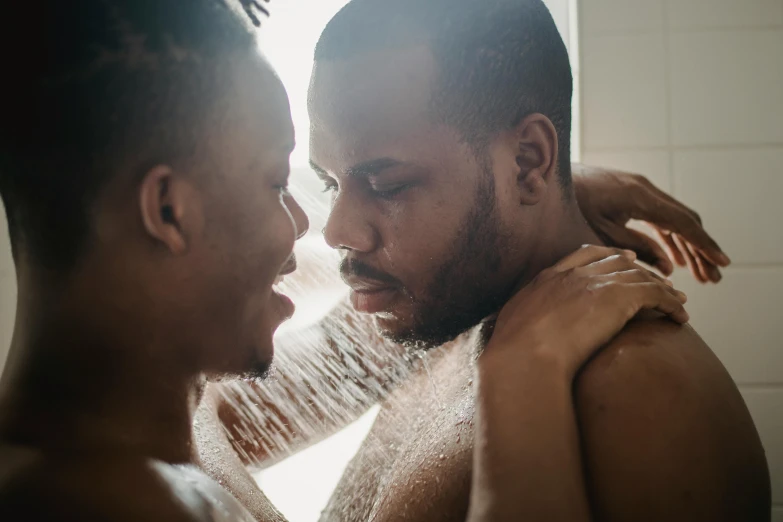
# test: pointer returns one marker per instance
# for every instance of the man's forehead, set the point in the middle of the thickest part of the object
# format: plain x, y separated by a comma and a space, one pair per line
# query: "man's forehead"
257, 125
379, 98
373, 84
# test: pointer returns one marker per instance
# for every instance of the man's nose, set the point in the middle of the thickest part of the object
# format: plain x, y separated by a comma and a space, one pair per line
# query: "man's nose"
300, 218
347, 229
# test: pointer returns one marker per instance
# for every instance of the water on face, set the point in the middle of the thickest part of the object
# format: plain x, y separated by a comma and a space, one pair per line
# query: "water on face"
322, 379
325, 377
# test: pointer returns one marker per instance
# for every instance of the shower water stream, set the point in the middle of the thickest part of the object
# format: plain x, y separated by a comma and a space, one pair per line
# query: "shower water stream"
314, 388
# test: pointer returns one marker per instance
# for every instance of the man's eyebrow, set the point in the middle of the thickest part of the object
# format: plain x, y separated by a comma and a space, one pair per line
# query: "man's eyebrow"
318, 170
372, 167
365, 169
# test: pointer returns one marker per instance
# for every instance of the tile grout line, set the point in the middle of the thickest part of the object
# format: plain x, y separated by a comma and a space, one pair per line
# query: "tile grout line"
687, 30
687, 148
760, 386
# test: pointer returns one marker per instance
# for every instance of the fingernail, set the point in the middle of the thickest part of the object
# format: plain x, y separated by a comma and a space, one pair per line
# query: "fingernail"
686, 316
669, 283
630, 253
681, 295
724, 259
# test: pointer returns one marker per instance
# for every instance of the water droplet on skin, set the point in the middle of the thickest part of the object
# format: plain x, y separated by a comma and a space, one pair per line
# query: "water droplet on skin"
442, 456
470, 382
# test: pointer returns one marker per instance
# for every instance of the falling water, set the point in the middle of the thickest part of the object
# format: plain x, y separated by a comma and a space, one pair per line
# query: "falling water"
331, 367
314, 388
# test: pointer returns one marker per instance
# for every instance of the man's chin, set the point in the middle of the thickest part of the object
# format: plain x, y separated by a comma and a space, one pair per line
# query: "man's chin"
256, 370
259, 371
420, 336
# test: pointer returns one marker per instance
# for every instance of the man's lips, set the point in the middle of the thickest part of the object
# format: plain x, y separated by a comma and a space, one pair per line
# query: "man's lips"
371, 296
284, 303
289, 267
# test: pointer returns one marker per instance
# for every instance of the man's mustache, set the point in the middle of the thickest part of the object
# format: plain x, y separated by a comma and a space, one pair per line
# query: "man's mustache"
350, 267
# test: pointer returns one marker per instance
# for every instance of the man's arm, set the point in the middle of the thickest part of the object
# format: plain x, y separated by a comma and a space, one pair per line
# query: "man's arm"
610, 199
527, 463
666, 434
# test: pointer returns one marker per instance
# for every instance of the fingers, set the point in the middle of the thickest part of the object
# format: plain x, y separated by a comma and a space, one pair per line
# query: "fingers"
590, 254
707, 269
671, 215
646, 247
690, 259
653, 296
671, 247
685, 254
619, 264
642, 275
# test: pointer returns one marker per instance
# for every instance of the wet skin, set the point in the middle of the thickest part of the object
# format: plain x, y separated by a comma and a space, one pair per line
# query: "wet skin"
175, 289
655, 403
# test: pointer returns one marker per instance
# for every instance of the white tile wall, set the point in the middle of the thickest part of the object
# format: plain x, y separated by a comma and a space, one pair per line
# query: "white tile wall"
623, 90
722, 183
766, 407
654, 164
726, 87
718, 93
702, 14
740, 319
620, 16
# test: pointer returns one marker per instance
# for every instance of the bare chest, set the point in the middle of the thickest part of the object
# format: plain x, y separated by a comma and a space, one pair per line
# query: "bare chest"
416, 462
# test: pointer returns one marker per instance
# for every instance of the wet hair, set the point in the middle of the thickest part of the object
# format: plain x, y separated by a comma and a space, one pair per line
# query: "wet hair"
499, 60
99, 87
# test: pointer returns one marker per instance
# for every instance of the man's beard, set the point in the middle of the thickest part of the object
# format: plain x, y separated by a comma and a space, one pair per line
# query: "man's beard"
258, 372
459, 297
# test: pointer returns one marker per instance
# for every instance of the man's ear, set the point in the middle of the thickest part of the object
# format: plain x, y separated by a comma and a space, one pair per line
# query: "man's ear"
537, 150
169, 208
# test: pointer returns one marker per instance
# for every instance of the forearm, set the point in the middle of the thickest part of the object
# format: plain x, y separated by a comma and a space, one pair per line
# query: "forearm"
324, 378
527, 461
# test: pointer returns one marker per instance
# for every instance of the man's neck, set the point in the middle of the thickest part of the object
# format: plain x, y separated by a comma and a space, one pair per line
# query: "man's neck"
566, 231
68, 388
563, 235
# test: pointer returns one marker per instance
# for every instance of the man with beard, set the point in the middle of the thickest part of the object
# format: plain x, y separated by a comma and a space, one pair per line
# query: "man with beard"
143, 170
442, 129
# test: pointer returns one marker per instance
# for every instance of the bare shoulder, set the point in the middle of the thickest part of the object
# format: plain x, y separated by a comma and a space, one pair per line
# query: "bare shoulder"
39, 488
666, 433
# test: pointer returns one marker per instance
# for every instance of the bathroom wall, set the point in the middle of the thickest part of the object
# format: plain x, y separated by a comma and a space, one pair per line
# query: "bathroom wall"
690, 92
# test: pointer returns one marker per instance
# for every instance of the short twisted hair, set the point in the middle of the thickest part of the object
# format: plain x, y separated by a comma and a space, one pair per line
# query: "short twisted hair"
99, 86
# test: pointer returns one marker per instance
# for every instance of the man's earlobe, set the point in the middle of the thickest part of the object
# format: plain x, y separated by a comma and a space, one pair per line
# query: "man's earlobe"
163, 203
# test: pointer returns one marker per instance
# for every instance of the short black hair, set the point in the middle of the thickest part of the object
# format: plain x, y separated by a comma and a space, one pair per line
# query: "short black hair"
499, 60
97, 84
